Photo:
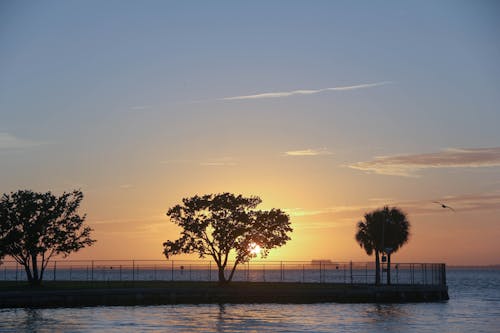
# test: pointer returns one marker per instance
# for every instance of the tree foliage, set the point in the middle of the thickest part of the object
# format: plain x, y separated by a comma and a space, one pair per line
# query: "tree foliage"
383, 231
216, 224
36, 226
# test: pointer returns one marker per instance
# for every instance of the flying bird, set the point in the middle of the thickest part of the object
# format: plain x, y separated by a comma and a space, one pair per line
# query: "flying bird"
443, 205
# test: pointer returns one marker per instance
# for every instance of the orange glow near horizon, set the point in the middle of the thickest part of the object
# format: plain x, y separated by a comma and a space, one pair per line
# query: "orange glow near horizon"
320, 232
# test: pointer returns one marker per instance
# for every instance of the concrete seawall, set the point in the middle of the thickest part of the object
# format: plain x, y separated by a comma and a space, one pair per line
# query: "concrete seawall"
196, 293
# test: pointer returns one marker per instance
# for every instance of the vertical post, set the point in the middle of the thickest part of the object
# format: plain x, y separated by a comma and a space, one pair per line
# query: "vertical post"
16, 270
55, 264
281, 270
350, 269
248, 271
120, 272
133, 270
172, 263
320, 275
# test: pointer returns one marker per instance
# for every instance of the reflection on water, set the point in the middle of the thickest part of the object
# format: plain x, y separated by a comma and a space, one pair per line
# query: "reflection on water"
384, 312
473, 307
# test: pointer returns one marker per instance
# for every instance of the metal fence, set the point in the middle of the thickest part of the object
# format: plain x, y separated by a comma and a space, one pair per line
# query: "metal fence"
255, 271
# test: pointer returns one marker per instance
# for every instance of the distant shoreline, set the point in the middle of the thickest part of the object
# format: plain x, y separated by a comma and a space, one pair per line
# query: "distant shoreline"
73, 294
472, 267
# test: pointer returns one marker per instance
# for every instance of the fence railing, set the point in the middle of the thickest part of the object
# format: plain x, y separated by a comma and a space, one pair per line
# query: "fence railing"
254, 271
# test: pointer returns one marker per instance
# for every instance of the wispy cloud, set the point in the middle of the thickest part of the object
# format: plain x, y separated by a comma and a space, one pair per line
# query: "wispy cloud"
349, 214
346, 215
8, 141
140, 107
176, 161
408, 165
219, 162
303, 92
308, 152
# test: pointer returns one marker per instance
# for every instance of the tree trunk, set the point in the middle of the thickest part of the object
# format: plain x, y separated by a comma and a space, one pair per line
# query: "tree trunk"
377, 268
389, 268
232, 272
222, 276
34, 270
28, 273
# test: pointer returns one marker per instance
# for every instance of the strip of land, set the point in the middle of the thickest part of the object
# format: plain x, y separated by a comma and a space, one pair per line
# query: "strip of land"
78, 294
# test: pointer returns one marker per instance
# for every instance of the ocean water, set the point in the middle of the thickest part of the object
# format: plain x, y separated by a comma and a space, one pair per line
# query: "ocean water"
474, 306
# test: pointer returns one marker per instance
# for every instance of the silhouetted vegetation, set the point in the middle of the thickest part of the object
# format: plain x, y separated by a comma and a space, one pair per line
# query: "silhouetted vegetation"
36, 226
383, 231
215, 224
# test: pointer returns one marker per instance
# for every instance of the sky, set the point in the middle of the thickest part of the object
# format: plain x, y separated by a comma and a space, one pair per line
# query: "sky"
325, 109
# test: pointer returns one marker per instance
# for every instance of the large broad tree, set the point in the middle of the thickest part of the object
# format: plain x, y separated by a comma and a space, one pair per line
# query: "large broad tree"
36, 226
216, 224
383, 231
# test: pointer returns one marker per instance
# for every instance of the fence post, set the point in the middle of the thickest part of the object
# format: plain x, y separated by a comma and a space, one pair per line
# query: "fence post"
281, 271
350, 268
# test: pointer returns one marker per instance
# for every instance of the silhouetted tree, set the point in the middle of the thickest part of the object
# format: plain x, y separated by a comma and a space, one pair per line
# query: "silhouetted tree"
383, 231
36, 226
215, 224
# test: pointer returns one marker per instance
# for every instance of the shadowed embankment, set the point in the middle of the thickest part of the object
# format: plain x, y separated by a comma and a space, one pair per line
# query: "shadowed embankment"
74, 294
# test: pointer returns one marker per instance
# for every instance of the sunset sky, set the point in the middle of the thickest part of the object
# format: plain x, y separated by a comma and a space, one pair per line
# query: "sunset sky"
326, 109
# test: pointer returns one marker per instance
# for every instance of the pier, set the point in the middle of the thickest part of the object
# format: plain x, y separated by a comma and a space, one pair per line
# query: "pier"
94, 283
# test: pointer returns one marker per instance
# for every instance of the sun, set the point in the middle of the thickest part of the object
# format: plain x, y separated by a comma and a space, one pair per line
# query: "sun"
254, 249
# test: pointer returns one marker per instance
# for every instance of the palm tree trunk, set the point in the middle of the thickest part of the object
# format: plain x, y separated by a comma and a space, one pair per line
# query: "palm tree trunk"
388, 268
377, 268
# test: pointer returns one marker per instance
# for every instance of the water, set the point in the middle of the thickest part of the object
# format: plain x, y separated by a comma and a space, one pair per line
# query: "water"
474, 307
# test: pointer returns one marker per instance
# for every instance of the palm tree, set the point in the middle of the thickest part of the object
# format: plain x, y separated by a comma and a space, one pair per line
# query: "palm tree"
383, 231
365, 238
396, 234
